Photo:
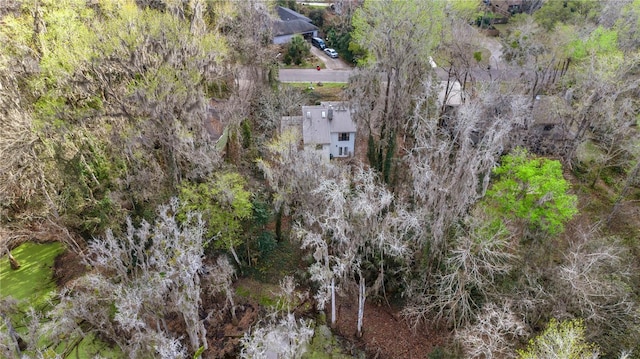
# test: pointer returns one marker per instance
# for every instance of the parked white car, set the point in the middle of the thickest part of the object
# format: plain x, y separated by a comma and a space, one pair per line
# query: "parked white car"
331, 53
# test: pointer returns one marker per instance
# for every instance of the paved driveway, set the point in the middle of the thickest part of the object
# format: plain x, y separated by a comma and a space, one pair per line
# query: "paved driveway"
331, 64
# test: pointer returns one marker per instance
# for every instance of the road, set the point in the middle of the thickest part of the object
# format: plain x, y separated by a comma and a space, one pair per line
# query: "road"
326, 75
339, 71
336, 70
312, 75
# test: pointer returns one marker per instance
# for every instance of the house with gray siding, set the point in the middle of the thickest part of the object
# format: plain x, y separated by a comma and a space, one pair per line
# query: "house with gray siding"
329, 129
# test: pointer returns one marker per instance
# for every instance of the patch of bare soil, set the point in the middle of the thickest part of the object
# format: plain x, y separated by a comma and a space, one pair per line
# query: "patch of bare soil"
223, 332
385, 334
67, 267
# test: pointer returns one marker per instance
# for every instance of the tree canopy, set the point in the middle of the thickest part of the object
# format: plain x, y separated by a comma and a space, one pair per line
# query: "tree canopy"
533, 189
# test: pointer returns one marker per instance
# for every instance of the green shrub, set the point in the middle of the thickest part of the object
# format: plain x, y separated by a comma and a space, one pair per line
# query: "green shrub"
297, 51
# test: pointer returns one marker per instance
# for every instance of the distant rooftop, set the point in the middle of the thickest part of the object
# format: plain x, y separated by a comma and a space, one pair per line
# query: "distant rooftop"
549, 110
287, 14
292, 27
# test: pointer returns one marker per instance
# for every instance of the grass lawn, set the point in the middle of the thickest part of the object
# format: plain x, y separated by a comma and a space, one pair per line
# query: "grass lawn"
32, 284
502, 28
304, 65
328, 91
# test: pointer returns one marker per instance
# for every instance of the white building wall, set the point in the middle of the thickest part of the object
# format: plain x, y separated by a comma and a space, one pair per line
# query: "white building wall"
348, 147
282, 39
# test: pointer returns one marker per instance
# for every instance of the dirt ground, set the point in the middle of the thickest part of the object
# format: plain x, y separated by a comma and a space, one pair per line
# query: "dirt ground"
67, 267
385, 334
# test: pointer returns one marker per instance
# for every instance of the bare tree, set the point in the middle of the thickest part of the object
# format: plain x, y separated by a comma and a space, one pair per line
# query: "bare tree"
27, 189
461, 48
280, 334
248, 27
285, 337
594, 283
479, 255
495, 334
632, 179
272, 104
542, 62
219, 279
398, 38
153, 271
450, 163
292, 174
115, 128
353, 224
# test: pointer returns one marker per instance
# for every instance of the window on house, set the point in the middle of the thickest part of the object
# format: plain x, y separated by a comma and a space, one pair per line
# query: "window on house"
343, 136
339, 151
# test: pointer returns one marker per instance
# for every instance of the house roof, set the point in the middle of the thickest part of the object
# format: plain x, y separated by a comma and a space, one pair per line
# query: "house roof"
549, 110
454, 96
317, 129
286, 14
292, 27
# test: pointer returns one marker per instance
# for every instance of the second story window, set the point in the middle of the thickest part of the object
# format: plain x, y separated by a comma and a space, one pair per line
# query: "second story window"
343, 136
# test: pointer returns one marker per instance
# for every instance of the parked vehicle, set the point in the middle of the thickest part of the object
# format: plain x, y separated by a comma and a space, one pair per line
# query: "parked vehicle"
331, 53
318, 42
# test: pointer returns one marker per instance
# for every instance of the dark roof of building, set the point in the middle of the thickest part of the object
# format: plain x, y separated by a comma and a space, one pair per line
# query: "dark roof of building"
549, 110
287, 14
292, 27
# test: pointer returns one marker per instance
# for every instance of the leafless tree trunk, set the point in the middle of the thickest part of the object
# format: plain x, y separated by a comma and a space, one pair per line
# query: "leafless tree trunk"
333, 302
361, 299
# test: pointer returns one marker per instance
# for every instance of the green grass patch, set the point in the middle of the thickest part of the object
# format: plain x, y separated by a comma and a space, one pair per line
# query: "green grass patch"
327, 85
328, 91
318, 7
265, 294
91, 346
307, 64
283, 260
503, 28
32, 284
325, 345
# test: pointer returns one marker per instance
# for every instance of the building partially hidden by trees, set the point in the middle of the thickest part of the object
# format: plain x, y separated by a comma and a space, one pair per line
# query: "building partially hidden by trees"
496, 209
290, 24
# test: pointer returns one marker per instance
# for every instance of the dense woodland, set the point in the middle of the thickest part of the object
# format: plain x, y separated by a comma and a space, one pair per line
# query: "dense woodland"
465, 220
